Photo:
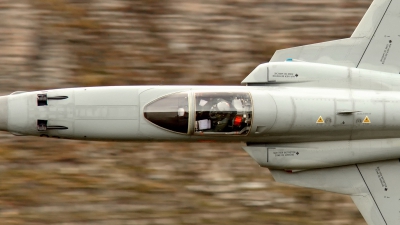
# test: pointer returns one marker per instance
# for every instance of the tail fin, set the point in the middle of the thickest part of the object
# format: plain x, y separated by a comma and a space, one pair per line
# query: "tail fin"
374, 45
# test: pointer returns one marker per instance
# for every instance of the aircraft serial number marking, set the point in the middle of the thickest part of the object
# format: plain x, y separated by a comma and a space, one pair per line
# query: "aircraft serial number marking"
381, 178
386, 52
287, 75
285, 153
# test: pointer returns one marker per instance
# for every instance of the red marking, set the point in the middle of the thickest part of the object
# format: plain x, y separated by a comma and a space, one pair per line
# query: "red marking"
237, 121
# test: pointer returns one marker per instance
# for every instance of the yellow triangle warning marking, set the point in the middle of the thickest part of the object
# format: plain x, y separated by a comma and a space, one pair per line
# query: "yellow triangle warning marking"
320, 120
366, 120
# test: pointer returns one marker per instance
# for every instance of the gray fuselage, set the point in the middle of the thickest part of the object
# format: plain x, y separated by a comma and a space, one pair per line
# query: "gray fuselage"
278, 114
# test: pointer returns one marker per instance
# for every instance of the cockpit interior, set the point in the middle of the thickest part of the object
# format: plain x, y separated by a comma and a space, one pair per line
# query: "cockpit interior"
222, 112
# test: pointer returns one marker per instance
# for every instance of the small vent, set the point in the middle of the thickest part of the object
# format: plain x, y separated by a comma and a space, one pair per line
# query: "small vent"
41, 99
260, 129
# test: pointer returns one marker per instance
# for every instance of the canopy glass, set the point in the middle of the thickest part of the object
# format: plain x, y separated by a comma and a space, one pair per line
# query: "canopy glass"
214, 113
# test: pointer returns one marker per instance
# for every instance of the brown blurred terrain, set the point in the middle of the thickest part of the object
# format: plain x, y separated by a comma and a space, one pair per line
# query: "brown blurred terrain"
68, 43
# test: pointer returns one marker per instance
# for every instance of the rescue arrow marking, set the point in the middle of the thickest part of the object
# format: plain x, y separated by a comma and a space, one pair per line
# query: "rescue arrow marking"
366, 120
320, 120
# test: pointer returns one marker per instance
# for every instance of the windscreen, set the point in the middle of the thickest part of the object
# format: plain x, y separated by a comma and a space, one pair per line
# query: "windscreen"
170, 112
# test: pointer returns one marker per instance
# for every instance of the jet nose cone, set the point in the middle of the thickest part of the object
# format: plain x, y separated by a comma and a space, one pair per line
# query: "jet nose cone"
4, 113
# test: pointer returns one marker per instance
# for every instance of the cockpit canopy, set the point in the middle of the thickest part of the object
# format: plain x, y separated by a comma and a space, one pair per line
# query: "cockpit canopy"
202, 113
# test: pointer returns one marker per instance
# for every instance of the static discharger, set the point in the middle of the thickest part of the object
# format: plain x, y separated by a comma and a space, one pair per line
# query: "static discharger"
366, 120
320, 120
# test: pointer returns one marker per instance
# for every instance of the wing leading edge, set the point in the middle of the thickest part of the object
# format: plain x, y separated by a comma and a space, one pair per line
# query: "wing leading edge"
374, 45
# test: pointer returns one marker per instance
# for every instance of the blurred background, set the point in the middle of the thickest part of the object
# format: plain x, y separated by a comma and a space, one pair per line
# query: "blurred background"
46, 44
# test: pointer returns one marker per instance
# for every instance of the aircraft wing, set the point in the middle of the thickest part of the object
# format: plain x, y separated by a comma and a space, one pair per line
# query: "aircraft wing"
374, 187
374, 45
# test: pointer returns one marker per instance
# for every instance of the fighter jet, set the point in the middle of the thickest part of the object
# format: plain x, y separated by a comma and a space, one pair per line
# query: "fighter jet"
323, 116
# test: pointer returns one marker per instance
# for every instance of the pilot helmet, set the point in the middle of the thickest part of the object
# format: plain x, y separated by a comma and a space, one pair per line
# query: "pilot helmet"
223, 106
221, 109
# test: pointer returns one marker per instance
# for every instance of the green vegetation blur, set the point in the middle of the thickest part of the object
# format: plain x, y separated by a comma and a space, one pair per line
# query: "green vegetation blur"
48, 44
